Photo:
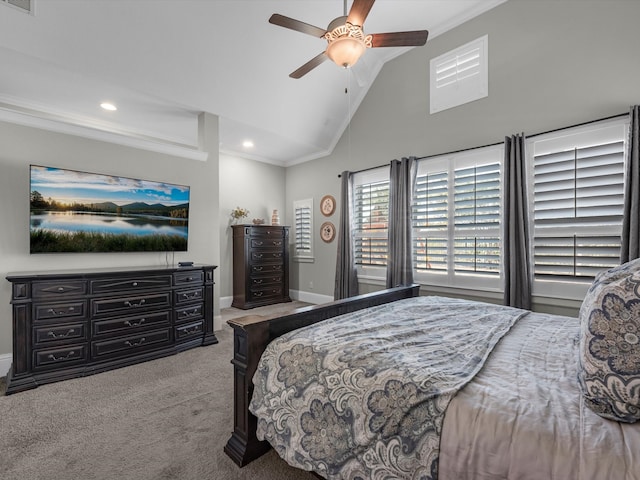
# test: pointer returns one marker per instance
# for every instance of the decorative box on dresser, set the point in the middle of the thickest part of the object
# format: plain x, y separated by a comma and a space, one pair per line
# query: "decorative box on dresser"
74, 323
260, 265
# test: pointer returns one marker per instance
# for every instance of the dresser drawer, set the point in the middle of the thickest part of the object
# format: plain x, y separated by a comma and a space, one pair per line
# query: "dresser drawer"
189, 296
265, 280
189, 330
58, 357
130, 284
266, 257
265, 269
264, 293
130, 344
267, 243
59, 334
119, 326
190, 312
268, 232
58, 311
189, 277
129, 305
58, 289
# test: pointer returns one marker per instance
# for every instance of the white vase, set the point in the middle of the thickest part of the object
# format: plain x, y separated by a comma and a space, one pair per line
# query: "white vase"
275, 219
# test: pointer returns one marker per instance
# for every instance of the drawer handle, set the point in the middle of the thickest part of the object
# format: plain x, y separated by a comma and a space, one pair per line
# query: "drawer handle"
127, 303
135, 344
53, 334
277, 255
188, 279
60, 359
134, 284
60, 312
258, 255
194, 312
187, 296
259, 244
257, 269
194, 329
257, 282
258, 294
277, 244
129, 323
61, 289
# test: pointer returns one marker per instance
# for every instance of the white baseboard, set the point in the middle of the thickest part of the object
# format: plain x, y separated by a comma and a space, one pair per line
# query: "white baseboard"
225, 302
5, 363
309, 297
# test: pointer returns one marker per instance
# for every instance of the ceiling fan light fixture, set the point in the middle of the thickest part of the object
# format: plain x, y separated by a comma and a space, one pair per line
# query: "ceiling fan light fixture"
346, 44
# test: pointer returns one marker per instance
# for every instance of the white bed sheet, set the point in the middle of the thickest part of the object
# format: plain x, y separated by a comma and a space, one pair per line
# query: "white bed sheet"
522, 417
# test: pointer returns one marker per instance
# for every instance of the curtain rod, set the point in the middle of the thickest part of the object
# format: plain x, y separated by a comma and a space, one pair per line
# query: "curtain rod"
499, 143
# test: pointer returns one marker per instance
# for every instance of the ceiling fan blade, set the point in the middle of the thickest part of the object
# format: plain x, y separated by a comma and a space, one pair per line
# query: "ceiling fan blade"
416, 38
296, 25
359, 11
310, 65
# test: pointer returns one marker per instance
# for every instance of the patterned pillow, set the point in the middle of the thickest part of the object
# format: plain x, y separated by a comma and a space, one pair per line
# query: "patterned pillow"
609, 354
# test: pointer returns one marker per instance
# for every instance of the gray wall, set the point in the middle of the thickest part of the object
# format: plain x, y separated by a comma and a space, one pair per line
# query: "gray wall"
256, 186
552, 64
22, 146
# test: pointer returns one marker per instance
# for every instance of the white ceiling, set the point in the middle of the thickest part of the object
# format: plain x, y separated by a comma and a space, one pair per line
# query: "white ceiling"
162, 62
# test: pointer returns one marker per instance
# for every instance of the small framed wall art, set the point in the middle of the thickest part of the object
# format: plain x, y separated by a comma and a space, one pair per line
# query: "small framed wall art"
328, 232
327, 205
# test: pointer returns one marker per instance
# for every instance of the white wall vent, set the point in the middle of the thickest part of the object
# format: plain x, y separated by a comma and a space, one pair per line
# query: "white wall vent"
459, 76
25, 5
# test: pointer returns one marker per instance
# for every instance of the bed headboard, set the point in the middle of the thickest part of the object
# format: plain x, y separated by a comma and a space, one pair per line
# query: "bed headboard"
252, 334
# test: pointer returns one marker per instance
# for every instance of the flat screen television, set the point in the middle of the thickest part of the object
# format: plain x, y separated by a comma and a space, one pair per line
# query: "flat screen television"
73, 211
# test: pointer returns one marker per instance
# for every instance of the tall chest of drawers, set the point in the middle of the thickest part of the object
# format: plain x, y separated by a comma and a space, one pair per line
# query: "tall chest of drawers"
79, 322
260, 265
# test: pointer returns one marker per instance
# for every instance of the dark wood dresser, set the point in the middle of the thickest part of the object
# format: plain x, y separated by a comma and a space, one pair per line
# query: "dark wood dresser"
260, 265
74, 323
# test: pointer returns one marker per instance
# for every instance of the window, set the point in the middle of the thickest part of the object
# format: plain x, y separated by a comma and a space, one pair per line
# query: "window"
303, 233
371, 219
456, 219
577, 178
459, 76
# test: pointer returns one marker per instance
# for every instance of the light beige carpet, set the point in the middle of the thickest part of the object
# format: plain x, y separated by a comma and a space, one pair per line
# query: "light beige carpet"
164, 419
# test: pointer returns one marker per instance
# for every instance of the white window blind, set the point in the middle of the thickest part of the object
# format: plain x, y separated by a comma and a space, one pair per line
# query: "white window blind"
371, 217
303, 217
459, 76
456, 218
578, 200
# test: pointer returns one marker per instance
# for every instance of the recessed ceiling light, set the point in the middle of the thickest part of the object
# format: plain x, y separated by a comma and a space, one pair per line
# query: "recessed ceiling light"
247, 144
109, 106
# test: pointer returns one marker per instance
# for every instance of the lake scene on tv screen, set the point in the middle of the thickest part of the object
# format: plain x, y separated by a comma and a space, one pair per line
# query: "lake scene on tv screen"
73, 211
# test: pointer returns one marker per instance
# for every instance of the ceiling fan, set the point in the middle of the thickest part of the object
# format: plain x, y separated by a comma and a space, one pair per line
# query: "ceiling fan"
346, 41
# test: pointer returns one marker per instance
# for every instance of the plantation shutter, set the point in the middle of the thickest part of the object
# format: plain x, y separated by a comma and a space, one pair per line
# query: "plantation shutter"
477, 219
578, 206
303, 218
430, 218
371, 211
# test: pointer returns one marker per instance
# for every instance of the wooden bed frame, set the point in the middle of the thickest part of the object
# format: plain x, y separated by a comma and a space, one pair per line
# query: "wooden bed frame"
252, 334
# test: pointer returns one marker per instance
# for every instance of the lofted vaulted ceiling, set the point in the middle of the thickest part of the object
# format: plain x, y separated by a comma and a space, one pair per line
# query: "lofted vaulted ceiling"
162, 62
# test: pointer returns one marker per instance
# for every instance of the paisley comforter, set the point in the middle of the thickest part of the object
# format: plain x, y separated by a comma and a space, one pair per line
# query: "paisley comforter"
363, 395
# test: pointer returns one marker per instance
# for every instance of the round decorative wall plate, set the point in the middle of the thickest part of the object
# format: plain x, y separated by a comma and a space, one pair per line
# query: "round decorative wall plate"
328, 232
327, 205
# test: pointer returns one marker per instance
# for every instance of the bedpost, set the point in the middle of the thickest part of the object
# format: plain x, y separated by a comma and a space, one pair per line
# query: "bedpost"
252, 334
249, 341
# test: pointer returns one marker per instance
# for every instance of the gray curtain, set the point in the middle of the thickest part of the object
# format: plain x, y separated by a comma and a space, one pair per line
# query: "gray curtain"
517, 277
346, 273
630, 248
399, 258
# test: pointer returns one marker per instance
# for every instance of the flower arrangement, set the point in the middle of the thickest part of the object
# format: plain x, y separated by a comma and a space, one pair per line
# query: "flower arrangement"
238, 213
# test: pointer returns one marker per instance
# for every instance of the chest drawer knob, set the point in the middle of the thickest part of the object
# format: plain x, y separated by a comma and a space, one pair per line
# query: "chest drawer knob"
135, 344
61, 289
64, 335
135, 284
52, 357
127, 303
129, 323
